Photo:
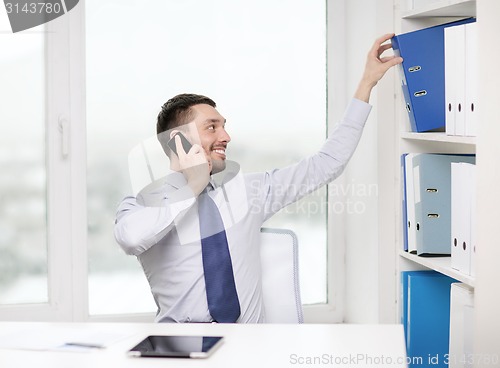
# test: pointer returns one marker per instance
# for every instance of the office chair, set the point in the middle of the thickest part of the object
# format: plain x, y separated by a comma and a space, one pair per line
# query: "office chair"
280, 277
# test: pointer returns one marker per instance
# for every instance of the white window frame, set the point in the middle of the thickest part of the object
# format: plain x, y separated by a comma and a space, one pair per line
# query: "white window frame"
65, 158
333, 310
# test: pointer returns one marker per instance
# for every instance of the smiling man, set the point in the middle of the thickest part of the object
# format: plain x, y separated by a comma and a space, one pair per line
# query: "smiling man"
197, 237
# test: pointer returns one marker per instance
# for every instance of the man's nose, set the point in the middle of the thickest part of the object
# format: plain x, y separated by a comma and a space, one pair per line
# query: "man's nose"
224, 137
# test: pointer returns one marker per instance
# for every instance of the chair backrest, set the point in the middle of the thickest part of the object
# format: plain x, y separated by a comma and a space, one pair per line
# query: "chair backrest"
280, 276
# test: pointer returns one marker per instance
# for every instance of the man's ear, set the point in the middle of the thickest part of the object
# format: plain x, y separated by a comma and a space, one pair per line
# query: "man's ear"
173, 132
163, 138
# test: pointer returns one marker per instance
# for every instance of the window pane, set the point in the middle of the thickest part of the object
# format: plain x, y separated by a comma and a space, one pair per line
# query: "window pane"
23, 209
263, 62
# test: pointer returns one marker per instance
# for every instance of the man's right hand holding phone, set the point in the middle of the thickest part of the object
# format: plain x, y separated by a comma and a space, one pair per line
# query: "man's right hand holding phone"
194, 165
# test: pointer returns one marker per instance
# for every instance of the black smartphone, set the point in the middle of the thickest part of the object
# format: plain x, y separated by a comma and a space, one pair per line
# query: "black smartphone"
185, 143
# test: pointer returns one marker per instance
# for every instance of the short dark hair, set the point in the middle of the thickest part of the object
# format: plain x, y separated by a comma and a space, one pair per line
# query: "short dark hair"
177, 111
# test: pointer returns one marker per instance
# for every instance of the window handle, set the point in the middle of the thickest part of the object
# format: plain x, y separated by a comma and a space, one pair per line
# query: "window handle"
64, 130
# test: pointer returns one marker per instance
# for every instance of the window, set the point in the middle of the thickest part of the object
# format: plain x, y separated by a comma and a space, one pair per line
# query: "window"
23, 200
263, 62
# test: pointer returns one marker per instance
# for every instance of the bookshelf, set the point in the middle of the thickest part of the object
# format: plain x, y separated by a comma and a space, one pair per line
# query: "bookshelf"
438, 12
392, 258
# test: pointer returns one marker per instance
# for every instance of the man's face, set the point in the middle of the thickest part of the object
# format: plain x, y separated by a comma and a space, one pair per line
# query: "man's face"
213, 135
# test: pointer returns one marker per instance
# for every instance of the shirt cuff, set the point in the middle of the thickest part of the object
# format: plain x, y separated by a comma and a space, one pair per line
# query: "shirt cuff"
357, 112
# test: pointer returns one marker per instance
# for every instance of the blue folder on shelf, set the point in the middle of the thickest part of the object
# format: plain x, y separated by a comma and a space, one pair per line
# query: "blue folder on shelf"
426, 317
422, 75
432, 185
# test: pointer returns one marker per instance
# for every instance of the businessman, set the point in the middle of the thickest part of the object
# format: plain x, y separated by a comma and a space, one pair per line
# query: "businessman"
196, 232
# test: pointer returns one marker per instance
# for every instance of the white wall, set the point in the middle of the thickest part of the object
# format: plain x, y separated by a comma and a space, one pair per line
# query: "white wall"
361, 176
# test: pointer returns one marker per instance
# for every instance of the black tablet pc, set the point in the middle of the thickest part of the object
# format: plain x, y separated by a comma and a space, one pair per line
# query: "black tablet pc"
158, 346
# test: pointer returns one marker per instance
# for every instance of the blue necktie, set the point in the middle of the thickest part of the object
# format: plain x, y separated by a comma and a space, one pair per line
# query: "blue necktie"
222, 298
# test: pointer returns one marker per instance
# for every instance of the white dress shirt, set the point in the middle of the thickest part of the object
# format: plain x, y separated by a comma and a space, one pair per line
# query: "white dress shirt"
160, 226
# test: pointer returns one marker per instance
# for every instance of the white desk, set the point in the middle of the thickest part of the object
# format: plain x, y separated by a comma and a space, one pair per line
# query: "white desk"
266, 345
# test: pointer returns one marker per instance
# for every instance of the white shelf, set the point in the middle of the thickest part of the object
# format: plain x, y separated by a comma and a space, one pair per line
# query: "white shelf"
444, 8
487, 302
439, 264
439, 137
